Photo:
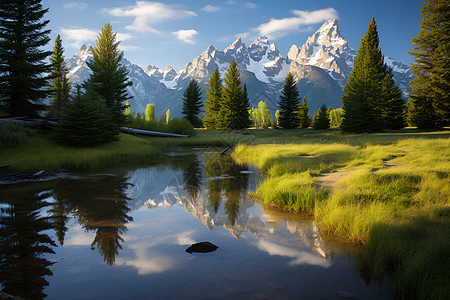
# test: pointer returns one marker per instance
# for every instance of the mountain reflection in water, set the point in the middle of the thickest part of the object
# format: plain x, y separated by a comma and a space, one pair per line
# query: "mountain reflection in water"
49, 229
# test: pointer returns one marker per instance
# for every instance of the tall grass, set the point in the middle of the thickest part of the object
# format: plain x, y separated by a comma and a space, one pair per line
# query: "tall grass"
388, 202
41, 152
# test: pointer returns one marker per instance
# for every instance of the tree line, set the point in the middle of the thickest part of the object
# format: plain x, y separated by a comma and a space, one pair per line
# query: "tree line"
371, 102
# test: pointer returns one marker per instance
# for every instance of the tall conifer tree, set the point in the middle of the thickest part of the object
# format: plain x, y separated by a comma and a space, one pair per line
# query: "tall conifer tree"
109, 77
393, 106
245, 109
22, 63
429, 101
363, 93
322, 118
213, 99
303, 114
289, 101
192, 103
60, 85
230, 114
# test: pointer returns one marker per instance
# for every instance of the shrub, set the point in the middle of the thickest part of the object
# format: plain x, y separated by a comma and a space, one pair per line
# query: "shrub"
86, 121
12, 135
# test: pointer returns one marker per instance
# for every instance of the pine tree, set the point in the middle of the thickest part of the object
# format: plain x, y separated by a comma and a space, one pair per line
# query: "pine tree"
231, 114
322, 118
429, 101
23, 65
212, 103
109, 77
149, 112
60, 85
393, 108
303, 114
192, 103
245, 109
363, 93
288, 104
86, 121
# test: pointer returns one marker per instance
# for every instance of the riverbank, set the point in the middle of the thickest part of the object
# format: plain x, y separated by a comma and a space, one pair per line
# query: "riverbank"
394, 198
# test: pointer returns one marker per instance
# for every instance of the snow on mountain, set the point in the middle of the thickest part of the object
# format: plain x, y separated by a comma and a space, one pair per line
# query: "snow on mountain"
321, 66
328, 50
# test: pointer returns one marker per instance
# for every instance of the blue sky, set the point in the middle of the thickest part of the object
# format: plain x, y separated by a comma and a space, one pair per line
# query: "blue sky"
174, 32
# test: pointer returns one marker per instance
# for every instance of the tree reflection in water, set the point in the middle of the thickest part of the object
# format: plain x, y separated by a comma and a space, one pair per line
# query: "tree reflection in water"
23, 241
228, 180
193, 177
101, 205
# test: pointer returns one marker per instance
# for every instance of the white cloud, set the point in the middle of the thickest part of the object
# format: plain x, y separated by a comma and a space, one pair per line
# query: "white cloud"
146, 14
281, 27
210, 8
186, 35
146, 263
77, 236
251, 5
129, 48
298, 257
75, 37
124, 36
75, 5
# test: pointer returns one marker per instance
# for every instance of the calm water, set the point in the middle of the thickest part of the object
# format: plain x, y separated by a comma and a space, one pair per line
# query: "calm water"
124, 235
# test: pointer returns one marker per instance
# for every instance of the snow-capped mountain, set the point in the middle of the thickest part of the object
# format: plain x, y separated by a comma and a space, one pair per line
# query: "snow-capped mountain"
321, 66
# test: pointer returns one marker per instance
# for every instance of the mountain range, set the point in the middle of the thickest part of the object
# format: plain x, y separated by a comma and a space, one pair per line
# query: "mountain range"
321, 68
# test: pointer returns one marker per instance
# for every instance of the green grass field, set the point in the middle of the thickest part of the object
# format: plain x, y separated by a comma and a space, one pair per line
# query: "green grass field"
394, 199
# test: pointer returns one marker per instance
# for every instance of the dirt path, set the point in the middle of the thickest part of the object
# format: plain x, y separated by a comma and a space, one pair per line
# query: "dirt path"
328, 180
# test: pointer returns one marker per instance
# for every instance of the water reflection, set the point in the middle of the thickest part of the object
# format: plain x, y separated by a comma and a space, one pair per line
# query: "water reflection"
123, 218
23, 242
100, 205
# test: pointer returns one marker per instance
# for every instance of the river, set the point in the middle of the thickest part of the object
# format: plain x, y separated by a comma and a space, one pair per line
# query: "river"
123, 235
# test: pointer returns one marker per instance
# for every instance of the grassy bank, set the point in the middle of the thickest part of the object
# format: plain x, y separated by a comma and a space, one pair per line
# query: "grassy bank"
40, 152
395, 199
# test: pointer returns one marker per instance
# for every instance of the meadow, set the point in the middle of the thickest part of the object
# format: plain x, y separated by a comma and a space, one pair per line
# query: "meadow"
392, 198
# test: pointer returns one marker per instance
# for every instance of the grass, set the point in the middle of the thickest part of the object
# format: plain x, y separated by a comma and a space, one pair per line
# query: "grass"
41, 152
396, 200
401, 214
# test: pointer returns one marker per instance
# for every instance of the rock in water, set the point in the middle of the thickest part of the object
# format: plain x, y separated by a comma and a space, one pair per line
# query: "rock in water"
202, 247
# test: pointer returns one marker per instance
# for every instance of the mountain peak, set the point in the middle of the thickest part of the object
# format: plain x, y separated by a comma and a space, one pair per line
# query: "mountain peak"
236, 44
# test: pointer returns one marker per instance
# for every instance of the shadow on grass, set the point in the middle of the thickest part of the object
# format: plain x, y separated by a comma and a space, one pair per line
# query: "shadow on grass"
413, 258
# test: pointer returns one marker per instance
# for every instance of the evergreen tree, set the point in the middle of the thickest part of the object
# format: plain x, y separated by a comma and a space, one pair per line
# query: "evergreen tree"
149, 112
393, 109
212, 103
303, 114
109, 77
231, 114
245, 109
363, 93
192, 103
289, 101
22, 64
322, 118
430, 96
86, 121
60, 85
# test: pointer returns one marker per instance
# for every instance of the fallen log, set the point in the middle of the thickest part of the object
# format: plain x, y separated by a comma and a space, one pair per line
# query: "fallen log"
29, 121
151, 133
